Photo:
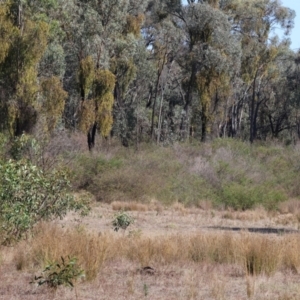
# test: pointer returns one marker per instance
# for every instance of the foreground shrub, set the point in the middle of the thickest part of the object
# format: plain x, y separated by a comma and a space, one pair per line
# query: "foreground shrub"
29, 195
64, 273
49, 242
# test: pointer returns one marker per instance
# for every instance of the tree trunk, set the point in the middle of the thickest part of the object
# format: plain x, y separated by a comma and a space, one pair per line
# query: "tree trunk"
91, 136
252, 113
188, 100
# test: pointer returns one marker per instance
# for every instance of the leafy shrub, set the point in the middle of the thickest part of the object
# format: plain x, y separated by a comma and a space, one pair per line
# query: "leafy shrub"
243, 196
122, 220
87, 170
23, 146
28, 195
56, 274
3, 145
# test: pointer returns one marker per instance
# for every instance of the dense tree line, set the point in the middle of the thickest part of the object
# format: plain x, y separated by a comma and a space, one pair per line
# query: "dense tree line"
143, 70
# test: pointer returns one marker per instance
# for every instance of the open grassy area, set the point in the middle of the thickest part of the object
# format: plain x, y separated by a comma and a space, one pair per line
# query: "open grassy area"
211, 221
167, 253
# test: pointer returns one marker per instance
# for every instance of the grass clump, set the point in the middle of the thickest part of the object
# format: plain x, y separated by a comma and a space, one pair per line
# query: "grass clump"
51, 242
128, 206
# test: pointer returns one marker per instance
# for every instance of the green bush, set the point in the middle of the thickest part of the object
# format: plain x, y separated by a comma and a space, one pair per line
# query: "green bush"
122, 220
64, 273
28, 195
242, 197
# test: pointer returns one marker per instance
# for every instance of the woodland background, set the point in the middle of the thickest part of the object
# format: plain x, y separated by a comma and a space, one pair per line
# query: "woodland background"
144, 71
187, 116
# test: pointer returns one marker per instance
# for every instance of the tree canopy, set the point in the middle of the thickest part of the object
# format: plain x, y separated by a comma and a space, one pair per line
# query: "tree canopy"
148, 70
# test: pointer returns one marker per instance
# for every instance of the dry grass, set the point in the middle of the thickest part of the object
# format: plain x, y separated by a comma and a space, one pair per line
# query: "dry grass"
205, 204
291, 206
256, 254
51, 242
200, 264
128, 206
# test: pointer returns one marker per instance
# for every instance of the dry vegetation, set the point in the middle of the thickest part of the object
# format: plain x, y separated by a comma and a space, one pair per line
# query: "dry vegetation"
187, 259
193, 236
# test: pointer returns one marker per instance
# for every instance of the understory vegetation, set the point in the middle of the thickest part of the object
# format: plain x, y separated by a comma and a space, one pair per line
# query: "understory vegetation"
226, 172
44, 180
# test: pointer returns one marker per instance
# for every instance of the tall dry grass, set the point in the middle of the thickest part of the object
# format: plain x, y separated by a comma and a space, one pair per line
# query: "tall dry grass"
52, 242
255, 254
128, 206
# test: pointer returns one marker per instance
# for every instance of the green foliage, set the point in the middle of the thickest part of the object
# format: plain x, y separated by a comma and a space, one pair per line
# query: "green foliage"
88, 169
54, 101
64, 273
122, 221
247, 196
29, 195
3, 145
7, 31
24, 146
86, 76
226, 172
104, 86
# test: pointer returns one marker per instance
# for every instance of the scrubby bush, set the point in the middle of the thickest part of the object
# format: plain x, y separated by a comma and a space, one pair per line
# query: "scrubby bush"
246, 196
64, 273
226, 172
29, 195
122, 220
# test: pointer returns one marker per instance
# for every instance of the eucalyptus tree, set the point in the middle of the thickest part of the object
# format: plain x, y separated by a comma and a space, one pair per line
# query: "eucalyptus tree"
25, 44
281, 111
252, 22
99, 38
210, 56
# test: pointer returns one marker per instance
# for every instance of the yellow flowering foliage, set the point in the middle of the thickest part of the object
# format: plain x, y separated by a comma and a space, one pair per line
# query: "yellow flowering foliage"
104, 117
87, 115
104, 86
54, 101
86, 75
104, 83
7, 31
133, 24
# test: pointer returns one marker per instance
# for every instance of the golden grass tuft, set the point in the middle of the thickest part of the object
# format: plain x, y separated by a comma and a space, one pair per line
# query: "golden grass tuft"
291, 206
261, 255
291, 257
254, 215
51, 242
179, 207
250, 286
128, 206
205, 204
255, 253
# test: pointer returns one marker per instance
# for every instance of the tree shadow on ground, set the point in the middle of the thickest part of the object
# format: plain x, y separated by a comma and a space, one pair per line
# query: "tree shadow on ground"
265, 230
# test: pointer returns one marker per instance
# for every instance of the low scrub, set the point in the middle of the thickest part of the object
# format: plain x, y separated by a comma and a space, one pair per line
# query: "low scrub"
28, 195
246, 196
225, 172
